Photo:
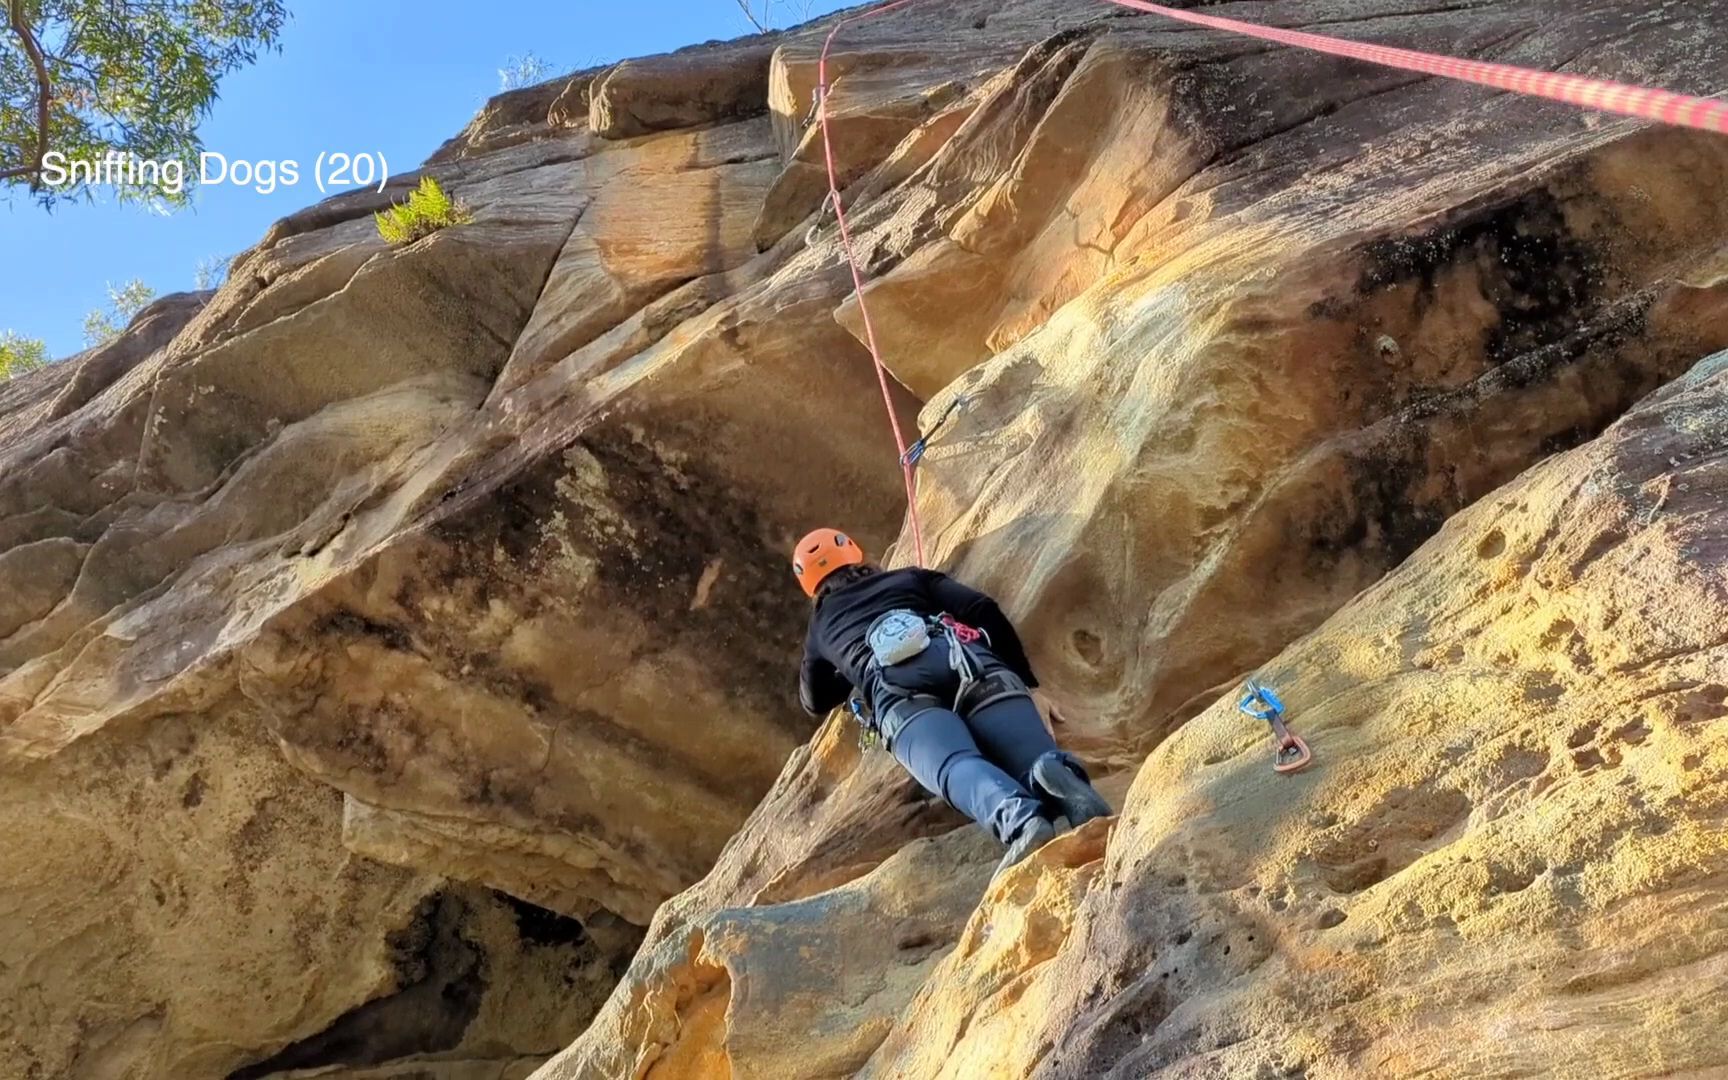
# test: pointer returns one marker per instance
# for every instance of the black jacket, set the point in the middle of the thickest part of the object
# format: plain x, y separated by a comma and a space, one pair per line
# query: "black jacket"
836, 654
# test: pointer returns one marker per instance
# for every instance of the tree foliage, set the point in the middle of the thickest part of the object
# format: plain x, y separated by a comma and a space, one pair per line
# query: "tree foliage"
760, 13
85, 78
524, 70
210, 272
19, 354
105, 324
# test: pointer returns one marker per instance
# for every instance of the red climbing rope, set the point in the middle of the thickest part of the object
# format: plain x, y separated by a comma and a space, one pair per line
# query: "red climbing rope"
1706, 114
1695, 112
906, 465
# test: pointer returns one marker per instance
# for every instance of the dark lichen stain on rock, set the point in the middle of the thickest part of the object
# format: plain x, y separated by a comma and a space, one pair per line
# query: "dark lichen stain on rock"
1544, 281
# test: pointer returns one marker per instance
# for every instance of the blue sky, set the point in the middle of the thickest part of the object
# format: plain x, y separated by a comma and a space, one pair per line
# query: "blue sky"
395, 77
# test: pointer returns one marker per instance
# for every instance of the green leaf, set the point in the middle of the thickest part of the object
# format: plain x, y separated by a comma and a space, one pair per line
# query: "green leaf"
427, 210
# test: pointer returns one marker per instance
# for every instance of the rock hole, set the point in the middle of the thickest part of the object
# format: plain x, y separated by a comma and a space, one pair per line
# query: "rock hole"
1633, 733
1089, 647
1705, 703
1543, 690
1492, 546
1561, 630
918, 939
536, 925
193, 794
1519, 763
441, 979
1507, 879
1389, 837
1601, 545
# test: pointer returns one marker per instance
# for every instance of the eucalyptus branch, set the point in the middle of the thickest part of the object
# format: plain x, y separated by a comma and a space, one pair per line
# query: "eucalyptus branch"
44, 92
744, 6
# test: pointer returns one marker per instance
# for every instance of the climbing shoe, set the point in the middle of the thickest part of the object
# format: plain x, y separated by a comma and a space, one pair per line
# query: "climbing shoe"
1054, 775
1033, 835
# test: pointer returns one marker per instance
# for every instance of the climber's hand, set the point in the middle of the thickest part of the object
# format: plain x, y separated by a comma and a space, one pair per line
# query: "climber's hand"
1049, 708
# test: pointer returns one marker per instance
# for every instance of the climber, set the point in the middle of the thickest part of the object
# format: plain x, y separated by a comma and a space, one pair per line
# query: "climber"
946, 685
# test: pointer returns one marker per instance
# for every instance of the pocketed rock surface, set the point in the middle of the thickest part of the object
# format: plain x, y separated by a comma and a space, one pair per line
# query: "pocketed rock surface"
396, 645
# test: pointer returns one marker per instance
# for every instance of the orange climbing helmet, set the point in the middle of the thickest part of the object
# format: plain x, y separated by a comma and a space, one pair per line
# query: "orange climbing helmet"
820, 554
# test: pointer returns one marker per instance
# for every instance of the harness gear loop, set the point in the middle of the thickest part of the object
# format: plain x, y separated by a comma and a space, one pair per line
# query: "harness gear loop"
880, 720
1261, 703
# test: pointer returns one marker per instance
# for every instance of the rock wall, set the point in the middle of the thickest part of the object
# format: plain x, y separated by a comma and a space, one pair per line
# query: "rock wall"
1508, 860
395, 640
1243, 329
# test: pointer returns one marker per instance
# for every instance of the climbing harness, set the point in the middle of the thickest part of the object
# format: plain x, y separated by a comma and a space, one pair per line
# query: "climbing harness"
1262, 704
1705, 114
900, 636
916, 451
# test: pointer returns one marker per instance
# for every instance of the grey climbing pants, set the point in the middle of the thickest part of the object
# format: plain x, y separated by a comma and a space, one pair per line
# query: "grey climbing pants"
982, 763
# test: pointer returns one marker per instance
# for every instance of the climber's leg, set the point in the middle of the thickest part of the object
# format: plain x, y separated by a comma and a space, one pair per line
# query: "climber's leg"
1011, 733
936, 748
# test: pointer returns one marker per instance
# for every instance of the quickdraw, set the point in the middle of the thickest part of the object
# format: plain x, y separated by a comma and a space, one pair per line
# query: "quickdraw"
916, 450
814, 232
869, 737
1262, 704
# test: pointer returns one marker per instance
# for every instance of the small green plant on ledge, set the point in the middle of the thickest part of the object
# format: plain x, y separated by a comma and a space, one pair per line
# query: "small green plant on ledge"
427, 210
19, 354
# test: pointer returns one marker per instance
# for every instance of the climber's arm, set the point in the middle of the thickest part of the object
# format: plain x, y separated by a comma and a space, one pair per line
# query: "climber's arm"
821, 687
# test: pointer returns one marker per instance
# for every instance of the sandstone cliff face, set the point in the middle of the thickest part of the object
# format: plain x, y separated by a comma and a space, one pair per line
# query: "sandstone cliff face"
1243, 330
1509, 861
391, 640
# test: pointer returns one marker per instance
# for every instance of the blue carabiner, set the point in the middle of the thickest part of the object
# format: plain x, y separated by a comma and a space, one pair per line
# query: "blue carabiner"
1261, 703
